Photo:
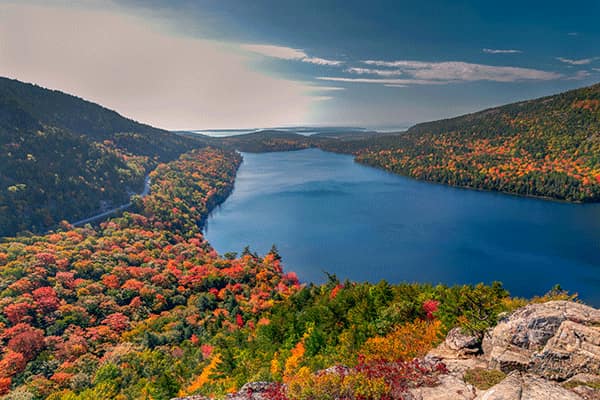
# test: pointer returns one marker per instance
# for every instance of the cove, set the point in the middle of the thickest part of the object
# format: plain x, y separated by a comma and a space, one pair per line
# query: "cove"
325, 212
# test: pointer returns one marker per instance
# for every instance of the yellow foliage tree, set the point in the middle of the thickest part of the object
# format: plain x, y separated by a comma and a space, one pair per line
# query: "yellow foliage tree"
203, 378
403, 343
293, 361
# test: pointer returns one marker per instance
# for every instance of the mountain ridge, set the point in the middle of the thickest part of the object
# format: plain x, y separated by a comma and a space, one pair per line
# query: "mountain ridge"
63, 157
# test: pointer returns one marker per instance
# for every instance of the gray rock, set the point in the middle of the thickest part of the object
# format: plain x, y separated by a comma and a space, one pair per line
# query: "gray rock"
575, 348
514, 342
586, 392
252, 391
510, 388
450, 387
458, 352
518, 386
463, 343
455, 364
585, 385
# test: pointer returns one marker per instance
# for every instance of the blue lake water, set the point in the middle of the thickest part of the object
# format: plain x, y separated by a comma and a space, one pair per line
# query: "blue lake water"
327, 213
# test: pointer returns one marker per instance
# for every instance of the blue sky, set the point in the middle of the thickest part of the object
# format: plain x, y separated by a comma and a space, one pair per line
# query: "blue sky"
266, 63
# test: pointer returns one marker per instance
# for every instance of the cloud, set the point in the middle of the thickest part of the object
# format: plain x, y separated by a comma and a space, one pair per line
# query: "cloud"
573, 33
596, 69
419, 72
322, 98
379, 72
580, 75
128, 64
501, 51
267, 50
327, 88
394, 82
287, 53
321, 61
582, 61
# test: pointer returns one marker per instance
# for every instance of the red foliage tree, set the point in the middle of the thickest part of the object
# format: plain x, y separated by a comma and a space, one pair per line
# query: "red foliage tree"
5, 385
111, 281
18, 312
46, 258
25, 339
430, 306
12, 364
74, 347
66, 279
117, 322
239, 321
46, 299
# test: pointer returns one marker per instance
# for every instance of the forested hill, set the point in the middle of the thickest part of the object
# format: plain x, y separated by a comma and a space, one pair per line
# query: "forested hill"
60, 110
547, 147
264, 141
568, 113
62, 157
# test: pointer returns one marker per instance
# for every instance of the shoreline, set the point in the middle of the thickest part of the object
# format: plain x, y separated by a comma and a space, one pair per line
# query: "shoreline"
472, 188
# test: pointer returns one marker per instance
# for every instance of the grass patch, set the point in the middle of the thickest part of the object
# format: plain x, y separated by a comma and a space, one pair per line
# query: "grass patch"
592, 384
482, 378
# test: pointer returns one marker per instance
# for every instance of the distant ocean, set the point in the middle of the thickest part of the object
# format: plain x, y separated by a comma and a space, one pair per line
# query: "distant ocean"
302, 130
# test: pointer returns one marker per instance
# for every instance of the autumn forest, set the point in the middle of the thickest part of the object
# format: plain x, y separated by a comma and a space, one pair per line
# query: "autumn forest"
140, 306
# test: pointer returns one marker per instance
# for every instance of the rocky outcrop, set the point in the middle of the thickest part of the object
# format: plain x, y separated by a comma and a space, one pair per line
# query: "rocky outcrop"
539, 346
556, 340
458, 352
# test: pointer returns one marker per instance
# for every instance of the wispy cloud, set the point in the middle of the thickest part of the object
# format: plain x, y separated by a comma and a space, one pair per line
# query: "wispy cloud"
372, 71
501, 51
387, 82
419, 72
287, 53
596, 69
322, 98
328, 88
321, 61
573, 33
579, 75
582, 61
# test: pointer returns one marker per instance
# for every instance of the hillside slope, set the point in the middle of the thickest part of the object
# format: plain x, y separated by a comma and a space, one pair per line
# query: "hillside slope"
62, 157
548, 147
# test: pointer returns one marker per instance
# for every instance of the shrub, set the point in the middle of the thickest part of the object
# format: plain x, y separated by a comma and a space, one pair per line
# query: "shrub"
484, 379
403, 343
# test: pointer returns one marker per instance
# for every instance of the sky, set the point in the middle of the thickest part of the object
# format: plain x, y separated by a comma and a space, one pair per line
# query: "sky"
218, 64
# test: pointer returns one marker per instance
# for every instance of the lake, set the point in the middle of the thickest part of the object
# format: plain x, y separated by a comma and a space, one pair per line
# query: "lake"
325, 212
